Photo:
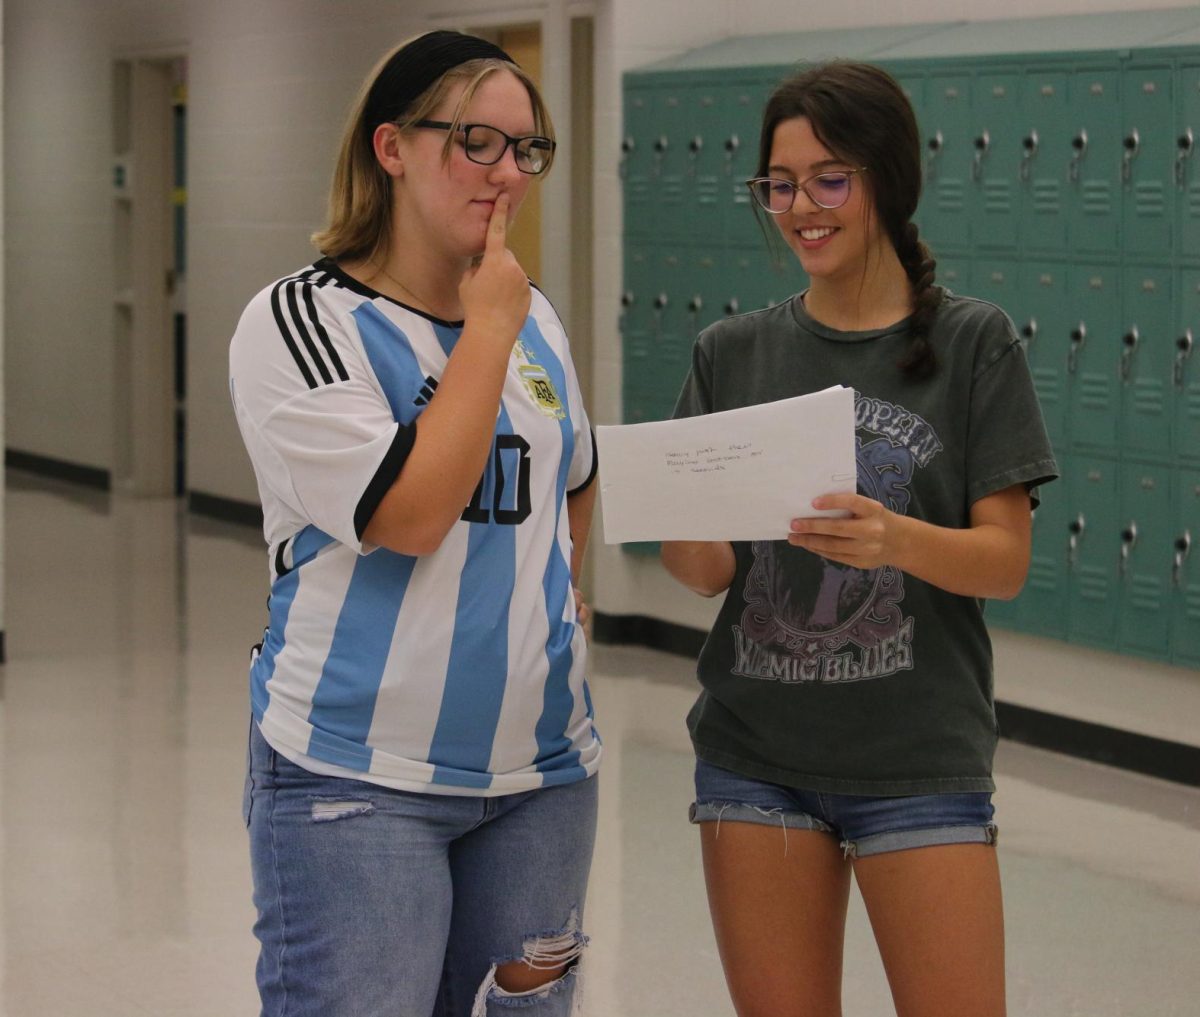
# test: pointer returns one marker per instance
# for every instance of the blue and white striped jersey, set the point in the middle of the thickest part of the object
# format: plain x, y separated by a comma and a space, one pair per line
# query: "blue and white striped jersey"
459, 672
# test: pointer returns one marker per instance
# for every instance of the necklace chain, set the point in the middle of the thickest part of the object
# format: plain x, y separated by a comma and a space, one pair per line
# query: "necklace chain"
416, 296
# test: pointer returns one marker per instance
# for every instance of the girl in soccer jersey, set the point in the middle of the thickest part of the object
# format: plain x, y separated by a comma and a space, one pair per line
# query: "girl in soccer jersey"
420, 797
845, 723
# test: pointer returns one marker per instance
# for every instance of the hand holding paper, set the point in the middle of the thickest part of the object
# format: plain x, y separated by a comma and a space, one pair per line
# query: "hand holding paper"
739, 474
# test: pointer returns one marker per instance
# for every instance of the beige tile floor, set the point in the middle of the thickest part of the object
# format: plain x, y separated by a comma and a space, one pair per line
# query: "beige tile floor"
124, 885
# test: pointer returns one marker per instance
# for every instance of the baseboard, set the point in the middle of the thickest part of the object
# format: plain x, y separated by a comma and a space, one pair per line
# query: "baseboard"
229, 510
1155, 757
59, 469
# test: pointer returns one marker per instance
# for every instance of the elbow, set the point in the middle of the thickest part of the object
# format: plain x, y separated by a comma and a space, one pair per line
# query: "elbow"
1011, 585
416, 539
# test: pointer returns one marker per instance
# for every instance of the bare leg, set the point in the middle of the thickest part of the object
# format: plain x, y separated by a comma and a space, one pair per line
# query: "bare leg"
779, 918
939, 923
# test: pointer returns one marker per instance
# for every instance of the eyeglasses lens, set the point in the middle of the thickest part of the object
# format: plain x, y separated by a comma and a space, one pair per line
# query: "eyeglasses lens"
486, 145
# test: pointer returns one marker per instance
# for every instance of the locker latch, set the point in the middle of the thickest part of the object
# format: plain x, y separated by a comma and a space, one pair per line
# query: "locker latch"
1183, 152
1133, 144
1075, 528
694, 307
982, 144
660, 151
1129, 345
1183, 350
1030, 146
1079, 143
732, 306
1078, 336
694, 147
660, 304
1029, 332
732, 144
627, 147
1183, 547
1129, 537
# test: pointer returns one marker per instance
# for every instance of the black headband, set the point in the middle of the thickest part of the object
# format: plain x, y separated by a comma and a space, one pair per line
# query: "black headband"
413, 68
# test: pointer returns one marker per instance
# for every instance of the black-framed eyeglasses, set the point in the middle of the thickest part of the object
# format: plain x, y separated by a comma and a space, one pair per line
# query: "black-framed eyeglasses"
828, 190
487, 145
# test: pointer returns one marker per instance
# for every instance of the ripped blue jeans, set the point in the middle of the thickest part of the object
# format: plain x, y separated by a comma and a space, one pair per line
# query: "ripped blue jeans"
375, 902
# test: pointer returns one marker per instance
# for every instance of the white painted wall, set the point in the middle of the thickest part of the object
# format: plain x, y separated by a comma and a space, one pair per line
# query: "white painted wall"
269, 84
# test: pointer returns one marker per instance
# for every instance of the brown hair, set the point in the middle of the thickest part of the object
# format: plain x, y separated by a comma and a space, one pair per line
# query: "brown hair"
860, 113
360, 197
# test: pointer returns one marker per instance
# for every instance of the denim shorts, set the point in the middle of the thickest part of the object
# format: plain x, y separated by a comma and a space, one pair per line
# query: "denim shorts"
863, 824
377, 901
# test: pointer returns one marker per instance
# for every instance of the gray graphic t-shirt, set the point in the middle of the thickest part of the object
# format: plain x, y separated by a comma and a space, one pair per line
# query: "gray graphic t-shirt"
822, 676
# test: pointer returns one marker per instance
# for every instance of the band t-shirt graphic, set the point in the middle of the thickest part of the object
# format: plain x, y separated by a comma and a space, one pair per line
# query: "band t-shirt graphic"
811, 619
826, 677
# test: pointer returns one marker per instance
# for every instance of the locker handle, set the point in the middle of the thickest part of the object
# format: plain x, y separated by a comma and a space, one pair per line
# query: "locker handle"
1133, 144
732, 306
1183, 152
1030, 331
695, 304
627, 298
1183, 350
661, 301
627, 147
1129, 345
1030, 145
1075, 528
1129, 537
660, 150
695, 144
937, 142
982, 143
1183, 547
1080, 144
1078, 337
732, 144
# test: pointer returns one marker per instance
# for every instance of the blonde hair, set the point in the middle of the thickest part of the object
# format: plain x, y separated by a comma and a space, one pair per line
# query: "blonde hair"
359, 219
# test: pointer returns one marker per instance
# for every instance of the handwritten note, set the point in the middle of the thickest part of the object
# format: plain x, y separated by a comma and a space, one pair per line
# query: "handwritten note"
740, 474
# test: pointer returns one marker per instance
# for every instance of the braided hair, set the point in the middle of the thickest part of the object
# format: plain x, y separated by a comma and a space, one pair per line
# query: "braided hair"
861, 114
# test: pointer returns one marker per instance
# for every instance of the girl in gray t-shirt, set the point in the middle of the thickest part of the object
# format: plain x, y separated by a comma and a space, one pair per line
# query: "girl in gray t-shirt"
846, 719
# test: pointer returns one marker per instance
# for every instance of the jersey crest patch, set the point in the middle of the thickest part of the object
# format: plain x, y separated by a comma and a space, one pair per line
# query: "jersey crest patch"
537, 383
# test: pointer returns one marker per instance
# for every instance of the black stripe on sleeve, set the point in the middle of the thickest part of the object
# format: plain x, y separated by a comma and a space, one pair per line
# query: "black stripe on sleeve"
284, 331
315, 318
302, 330
281, 566
592, 472
385, 476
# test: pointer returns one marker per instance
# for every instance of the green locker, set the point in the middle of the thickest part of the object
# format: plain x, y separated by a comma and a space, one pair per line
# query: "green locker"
672, 161
703, 118
1185, 571
639, 160
1044, 159
1093, 396
1185, 368
949, 144
1187, 161
998, 280
995, 161
639, 353
1144, 562
1148, 161
1147, 348
1093, 550
1094, 167
737, 136
1045, 322
954, 272
1042, 605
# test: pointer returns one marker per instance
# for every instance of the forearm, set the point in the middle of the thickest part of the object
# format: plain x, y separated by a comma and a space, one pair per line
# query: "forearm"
983, 560
580, 509
704, 567
449, 454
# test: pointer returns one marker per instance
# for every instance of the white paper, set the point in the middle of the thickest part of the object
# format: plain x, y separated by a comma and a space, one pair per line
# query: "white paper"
740, 474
